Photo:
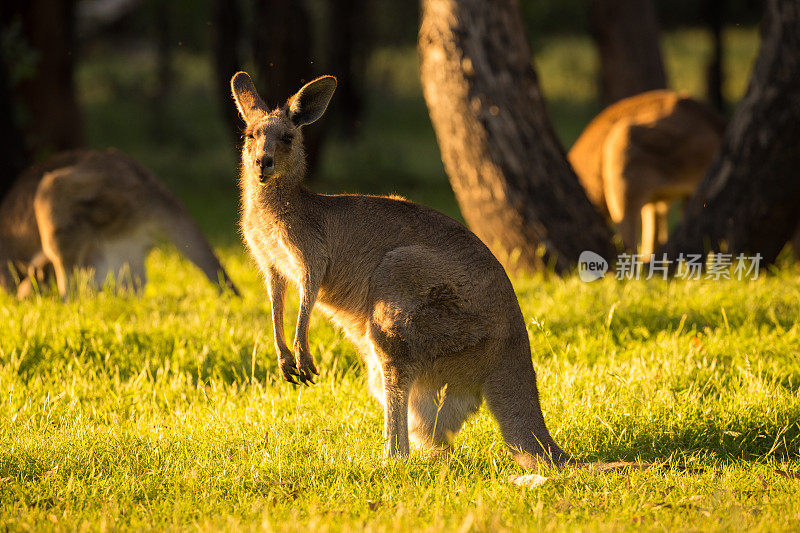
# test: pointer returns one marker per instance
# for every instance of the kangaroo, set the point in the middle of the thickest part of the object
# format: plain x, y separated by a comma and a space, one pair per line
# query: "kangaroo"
642, 153
97, 210
423, 300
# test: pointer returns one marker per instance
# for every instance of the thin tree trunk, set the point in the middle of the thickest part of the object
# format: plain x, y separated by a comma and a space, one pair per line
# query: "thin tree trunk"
749, 200
227, 61
507, 168
55, 121
13, 153
348, 34
626, 33
282, 54
714, 16
165, 70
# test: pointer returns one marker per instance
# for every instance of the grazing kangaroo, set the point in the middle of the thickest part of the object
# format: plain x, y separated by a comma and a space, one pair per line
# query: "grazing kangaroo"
421, 297
93, 210
642, 153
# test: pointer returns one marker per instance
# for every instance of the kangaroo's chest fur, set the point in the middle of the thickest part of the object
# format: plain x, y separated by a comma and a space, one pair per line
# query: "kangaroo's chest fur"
284, 233
275, 248
295, 247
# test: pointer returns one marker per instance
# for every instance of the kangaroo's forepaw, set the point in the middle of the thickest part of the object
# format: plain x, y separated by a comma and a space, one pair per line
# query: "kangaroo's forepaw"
288, 367
305, 367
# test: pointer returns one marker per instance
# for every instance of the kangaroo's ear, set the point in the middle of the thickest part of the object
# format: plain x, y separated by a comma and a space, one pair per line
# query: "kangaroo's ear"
311, 101
249, 104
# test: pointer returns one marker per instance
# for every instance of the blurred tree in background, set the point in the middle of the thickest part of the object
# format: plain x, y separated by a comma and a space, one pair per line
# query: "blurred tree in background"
285, 51
39, 56
152, 78
714, 15
749, 200
13, 152
507, 167
628, 42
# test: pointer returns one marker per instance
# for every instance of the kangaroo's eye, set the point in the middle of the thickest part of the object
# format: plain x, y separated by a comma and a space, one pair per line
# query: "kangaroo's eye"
287, 139
251, 136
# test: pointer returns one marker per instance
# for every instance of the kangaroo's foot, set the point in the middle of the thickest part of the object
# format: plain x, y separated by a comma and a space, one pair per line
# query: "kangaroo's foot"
287, 366
305, 365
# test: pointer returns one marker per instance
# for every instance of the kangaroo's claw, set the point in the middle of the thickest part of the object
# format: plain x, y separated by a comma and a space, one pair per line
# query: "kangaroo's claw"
288, 368
305, 365
306, 379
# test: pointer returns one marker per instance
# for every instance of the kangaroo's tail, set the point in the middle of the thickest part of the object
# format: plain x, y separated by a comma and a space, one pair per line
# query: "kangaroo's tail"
178, 226
512, 396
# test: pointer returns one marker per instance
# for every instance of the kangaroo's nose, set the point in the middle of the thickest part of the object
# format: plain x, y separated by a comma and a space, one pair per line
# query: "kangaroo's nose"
266, 169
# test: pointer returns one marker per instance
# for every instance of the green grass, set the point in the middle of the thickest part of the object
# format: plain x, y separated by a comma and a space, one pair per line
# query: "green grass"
165, 411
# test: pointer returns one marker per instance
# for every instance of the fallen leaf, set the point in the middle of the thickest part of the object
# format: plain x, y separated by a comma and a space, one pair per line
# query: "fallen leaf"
53, 518
374, 504
764, 483
528, 480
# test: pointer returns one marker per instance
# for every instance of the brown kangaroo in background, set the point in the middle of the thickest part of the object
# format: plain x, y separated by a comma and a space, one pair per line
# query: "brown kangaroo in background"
93, 210
420, 296
640, 154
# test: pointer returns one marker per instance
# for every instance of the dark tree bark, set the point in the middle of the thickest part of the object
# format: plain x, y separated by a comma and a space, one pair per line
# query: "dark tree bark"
626, 33
505, 163
749, 200
348, 35
283, 58
713, 12
227, 61
54, 120
13, 153
166, 72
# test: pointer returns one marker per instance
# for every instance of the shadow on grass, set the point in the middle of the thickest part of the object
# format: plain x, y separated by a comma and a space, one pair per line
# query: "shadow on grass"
779, 440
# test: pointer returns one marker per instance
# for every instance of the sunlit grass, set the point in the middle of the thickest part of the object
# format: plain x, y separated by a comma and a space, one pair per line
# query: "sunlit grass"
166, 410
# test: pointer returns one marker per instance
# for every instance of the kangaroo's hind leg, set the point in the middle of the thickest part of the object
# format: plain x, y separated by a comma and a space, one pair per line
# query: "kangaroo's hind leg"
390, 357
39, 270
420, 319
437, 412
396, 386
662, 222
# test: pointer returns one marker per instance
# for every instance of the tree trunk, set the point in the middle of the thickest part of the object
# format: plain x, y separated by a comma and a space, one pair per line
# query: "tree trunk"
54, 120
713, 13
626, 33
165, 70
283, 58
13, 153
227, 61
347, 33
508, 170
749, 200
